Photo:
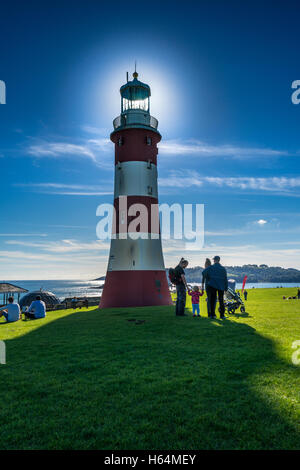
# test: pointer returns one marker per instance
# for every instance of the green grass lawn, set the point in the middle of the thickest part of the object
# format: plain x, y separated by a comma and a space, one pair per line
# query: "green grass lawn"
94, 380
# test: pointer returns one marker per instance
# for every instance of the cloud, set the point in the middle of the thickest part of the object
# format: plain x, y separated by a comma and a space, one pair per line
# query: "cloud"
103, 144
63, 246
74, 259
67, 189
56, 149
261, 222
178, 179
91, 149
273, 214
262, 184
63, 259
69, 226
181, 179
188, 178
23, 235
233, 255
249, 229
78, 193
226, 233
95, 130
199, 148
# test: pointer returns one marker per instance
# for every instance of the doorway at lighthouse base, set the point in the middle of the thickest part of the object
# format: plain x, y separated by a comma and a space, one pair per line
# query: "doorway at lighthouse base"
135, 289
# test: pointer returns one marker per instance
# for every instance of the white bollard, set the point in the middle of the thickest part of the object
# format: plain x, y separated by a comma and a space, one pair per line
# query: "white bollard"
2, 352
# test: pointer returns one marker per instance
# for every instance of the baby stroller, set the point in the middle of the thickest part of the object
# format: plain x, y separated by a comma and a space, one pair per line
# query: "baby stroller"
232, 299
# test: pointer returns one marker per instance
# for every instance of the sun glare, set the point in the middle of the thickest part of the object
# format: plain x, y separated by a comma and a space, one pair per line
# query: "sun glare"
164, 100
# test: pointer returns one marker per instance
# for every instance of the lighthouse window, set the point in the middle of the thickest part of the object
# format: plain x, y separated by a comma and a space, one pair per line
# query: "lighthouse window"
148, 141
135, 104
120, 141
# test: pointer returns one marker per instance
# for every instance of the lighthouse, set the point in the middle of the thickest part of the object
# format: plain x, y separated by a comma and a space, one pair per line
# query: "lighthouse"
136, 275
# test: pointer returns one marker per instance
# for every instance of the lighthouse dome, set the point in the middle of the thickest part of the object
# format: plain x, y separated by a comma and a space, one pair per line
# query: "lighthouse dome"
135, 89
135, 107
135, 94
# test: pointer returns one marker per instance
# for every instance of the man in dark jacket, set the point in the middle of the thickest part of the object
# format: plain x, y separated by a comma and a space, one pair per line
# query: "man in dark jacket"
215, 278
181, 287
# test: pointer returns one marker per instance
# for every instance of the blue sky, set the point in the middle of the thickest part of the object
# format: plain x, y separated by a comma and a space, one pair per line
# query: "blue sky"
220, 74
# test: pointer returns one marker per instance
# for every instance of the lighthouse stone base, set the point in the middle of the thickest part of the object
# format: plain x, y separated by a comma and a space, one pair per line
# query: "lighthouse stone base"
135, 289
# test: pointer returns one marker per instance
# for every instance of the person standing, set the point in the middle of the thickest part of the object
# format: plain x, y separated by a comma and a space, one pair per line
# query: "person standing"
204, 282
195, 294
245, 294
181, 287
216, 284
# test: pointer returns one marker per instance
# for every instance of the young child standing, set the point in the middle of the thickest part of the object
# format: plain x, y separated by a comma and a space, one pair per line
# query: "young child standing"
195, 294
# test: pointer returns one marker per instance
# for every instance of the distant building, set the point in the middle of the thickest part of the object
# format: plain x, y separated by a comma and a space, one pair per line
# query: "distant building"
10, 290
49, 298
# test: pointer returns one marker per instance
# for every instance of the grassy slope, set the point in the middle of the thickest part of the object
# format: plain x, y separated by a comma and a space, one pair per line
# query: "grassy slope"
93, 379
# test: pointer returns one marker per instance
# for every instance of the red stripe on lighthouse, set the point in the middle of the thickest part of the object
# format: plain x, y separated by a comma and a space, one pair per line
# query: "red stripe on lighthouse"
134, 145
149, 216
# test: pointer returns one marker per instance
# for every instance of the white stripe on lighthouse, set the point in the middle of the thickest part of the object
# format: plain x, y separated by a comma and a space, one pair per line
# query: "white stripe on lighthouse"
135, 179
136, 255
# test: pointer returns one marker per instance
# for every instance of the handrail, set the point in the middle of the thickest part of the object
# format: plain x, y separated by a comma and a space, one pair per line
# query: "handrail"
135, 119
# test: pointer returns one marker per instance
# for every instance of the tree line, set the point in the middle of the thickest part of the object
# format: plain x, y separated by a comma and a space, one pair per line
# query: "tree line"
255, 273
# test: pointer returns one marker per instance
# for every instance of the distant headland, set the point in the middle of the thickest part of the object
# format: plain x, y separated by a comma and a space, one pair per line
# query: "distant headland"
255, 273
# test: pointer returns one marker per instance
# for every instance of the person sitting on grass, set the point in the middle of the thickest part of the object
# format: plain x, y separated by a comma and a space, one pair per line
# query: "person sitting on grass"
195, 294
36, 310
11, 311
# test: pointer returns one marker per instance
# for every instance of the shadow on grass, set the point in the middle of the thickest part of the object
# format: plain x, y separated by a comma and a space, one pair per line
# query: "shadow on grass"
240, 315
92, 379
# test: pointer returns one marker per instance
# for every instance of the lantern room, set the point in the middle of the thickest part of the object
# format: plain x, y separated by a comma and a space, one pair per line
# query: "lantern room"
135, 95
135, 107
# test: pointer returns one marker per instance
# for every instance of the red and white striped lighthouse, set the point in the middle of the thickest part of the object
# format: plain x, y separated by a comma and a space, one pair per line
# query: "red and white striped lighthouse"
136, 274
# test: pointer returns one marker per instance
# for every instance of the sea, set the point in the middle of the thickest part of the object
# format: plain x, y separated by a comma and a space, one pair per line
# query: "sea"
63, 288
